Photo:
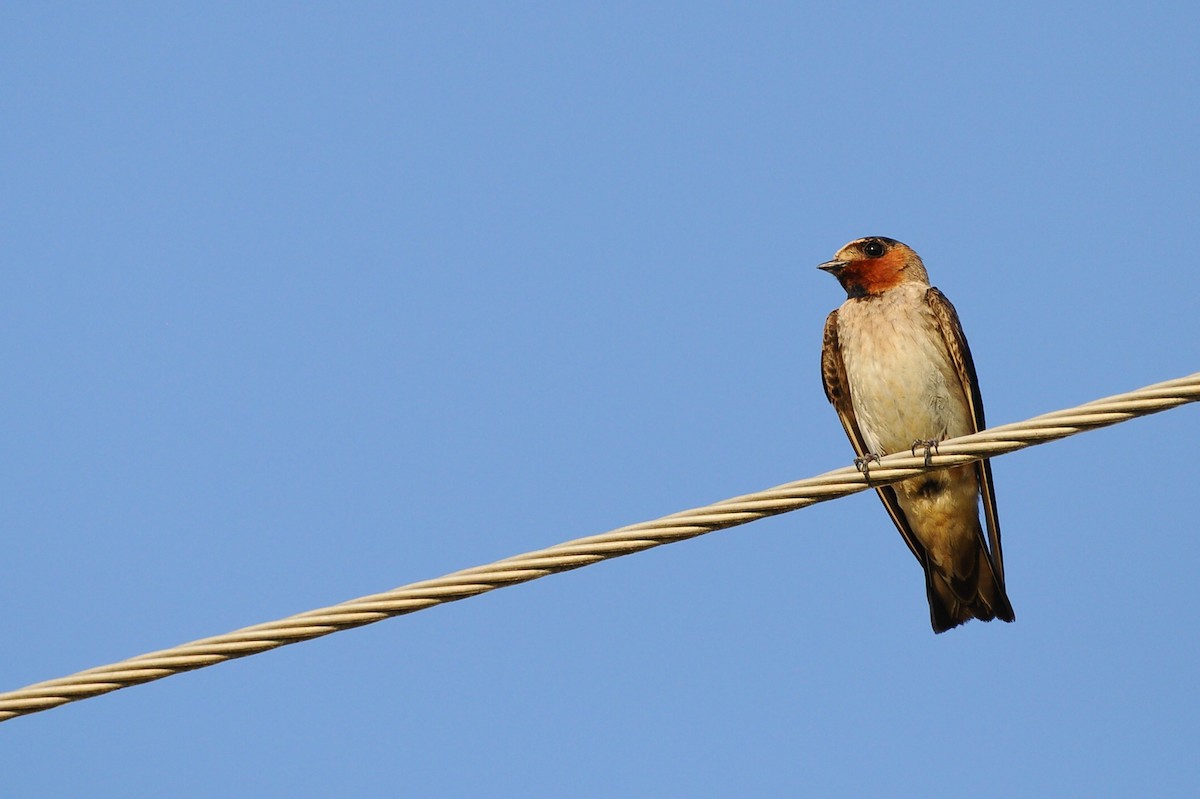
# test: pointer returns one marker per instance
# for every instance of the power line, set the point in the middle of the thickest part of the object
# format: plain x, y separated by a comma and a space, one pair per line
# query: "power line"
585, 551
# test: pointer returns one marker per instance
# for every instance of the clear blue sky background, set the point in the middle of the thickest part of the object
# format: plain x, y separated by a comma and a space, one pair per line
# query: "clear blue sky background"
301, 303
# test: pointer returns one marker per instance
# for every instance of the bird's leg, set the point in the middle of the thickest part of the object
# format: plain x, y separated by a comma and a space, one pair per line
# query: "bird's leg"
863, 464
930, 446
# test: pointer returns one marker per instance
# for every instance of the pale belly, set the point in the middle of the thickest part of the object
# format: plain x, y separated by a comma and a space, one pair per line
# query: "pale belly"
904, 390
902, 384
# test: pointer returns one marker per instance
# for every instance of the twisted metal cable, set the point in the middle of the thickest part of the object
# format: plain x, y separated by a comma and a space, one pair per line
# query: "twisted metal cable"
585, 551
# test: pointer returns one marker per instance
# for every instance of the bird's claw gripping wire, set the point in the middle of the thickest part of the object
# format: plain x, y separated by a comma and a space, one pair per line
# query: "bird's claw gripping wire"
863, 464
930, 446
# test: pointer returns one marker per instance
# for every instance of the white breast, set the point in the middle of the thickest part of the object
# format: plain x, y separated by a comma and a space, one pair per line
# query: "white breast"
902, 383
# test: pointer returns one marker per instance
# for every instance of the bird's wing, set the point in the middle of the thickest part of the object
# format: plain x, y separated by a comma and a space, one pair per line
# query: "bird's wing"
960, 356
837, 390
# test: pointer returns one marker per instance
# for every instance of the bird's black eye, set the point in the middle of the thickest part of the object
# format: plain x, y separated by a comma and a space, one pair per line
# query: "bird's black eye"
873, 248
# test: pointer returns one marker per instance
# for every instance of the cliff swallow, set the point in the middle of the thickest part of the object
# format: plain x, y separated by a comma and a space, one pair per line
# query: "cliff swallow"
898, 371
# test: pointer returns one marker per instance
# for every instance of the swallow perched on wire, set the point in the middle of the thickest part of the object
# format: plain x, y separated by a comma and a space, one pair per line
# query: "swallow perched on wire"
897, 369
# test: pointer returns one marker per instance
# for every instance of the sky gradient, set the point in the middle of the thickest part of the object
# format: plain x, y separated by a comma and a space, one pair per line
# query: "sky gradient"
303, 303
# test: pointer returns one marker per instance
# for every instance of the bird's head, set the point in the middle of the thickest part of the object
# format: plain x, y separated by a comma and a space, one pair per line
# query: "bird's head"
872, 265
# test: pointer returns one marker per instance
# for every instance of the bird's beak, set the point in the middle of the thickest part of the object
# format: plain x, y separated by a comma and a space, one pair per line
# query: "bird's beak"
832, 267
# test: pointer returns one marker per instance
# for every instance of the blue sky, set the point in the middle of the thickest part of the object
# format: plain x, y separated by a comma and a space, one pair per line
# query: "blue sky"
302, 303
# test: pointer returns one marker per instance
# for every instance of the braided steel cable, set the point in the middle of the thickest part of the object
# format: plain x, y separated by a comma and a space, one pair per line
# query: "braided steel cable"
585, 551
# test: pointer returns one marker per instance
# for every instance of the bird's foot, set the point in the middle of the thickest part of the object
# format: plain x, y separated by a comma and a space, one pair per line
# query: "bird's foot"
930, 446
863, 464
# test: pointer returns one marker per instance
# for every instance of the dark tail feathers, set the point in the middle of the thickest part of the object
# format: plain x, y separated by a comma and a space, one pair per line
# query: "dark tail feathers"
981, 596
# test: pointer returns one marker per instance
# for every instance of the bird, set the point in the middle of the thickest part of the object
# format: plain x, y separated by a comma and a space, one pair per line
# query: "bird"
897, 369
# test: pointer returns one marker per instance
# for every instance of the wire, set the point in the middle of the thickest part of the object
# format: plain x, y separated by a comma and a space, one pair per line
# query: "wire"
585, 551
